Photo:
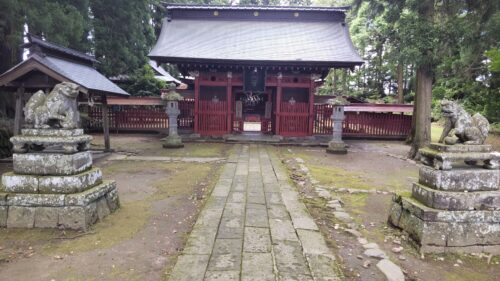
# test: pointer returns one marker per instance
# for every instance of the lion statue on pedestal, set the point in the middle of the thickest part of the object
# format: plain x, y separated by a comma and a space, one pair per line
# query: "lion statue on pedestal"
461, 127
58, 109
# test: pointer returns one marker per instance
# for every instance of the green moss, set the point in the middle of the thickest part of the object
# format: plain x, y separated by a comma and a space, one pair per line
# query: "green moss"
121, 225
132, 217
436, 131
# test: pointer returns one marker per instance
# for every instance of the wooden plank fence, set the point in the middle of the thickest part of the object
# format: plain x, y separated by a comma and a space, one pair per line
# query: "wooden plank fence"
212, 118
294, 119
138, 117
361, 122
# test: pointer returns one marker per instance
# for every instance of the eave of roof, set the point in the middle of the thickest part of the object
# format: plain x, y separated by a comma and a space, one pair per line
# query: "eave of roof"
85, 76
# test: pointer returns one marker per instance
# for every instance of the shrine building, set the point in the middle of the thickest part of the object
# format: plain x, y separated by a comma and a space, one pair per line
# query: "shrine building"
255, 68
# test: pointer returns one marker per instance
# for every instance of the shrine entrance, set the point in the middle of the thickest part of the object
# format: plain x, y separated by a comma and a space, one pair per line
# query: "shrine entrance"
253, 111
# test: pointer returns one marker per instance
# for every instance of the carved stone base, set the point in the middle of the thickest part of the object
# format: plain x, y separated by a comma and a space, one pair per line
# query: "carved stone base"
443, 157
460, 179
447, 231
52, 164
51, 140
336, 147
71, 211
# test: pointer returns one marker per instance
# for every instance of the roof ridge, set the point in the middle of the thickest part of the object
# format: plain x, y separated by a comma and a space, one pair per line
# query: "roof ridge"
255, 7
33, 39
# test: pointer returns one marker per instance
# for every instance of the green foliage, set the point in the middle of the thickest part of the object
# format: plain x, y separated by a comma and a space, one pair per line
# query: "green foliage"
122, 34
65, 22
144, 83
494, 56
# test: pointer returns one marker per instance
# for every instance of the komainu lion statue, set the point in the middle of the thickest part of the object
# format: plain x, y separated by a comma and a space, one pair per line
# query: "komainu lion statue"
461, 127
58, 109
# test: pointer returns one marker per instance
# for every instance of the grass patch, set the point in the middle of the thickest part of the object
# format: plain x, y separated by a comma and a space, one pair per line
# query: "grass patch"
337, 177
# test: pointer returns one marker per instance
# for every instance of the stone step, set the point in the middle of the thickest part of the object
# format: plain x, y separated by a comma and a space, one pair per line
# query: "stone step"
54, 164
447, 231
57, 200
456, 201
460, 179
74, 211
17, 183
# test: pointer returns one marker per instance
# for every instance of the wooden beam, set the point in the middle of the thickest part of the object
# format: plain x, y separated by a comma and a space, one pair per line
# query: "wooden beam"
105, 123
18, 118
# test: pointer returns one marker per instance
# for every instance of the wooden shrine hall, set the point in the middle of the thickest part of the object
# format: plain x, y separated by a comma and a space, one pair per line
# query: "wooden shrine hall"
49, 64
255, 68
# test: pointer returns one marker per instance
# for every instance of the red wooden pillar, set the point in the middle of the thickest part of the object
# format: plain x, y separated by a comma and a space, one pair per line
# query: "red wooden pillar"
229, 99
278, 103
311, 104
196, 76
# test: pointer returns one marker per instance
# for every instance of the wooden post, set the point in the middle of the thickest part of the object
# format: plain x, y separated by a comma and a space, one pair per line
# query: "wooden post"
196, 76
18, 118
278, 103
311, 104
229, 99
105, 123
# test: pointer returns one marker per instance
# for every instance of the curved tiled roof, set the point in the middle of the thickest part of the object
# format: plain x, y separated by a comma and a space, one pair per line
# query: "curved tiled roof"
35, 40
63, 70
267, 41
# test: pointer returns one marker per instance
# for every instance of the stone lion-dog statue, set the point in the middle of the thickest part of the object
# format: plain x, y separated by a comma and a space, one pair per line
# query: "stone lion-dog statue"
461, 127
58, 109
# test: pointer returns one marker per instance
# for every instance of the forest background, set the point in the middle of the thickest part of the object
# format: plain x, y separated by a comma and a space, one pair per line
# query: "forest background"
454, 44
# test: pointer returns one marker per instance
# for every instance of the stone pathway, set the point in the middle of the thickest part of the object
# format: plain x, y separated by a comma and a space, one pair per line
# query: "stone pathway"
253, 227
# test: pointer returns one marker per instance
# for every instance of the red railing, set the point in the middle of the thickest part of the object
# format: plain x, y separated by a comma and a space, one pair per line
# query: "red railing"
138, 117
366, 120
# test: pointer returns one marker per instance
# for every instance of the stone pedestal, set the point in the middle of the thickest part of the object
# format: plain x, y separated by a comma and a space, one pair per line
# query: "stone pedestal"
53, 184
455, 206
337, 145
173, 140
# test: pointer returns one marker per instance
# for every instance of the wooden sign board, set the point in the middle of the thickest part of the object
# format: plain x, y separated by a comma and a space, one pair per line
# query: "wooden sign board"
255, 80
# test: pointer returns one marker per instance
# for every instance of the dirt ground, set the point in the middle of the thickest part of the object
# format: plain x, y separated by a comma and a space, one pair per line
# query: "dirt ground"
159, 204
376, 165
161, 200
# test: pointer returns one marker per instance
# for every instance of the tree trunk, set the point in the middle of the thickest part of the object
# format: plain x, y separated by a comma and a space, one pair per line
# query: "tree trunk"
334, 81
344, 81
400, 83
421, 125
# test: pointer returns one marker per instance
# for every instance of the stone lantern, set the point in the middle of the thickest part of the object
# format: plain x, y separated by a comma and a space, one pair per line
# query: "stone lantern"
171, 101
336, 145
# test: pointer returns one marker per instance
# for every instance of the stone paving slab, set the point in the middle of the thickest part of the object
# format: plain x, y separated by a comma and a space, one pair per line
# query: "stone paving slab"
254, 228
